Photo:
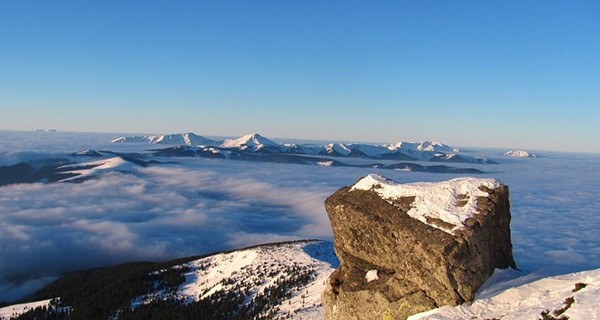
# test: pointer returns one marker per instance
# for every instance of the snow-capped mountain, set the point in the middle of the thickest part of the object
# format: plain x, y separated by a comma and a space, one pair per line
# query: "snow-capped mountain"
189, 139
252, 141
424, 146
520, 154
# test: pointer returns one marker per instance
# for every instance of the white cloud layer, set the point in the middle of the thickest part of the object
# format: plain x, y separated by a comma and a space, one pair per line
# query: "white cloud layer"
201, 205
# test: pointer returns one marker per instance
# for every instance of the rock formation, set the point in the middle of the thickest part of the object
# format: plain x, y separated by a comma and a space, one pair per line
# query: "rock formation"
408, 248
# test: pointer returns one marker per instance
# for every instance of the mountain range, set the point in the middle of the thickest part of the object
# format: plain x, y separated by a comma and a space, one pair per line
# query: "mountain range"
255, 143
87, 163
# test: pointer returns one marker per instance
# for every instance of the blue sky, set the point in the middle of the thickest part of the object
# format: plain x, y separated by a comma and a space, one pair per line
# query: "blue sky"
468, 73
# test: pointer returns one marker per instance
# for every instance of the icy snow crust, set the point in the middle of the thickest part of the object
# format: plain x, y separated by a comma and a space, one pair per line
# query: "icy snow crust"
433, 199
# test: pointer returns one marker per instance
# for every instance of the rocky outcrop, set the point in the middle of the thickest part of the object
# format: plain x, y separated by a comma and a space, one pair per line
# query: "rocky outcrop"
405, 249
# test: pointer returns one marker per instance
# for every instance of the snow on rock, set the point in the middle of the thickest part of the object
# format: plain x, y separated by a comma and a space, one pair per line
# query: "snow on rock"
16, 310
453, 201
189, 139
252, 141
522, 299
372, 275
520, 154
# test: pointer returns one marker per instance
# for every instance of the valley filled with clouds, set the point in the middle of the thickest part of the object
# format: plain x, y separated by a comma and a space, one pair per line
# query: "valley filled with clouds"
195, 206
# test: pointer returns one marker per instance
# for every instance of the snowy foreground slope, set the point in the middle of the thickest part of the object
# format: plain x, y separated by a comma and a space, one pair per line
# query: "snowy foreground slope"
509, 295
284, 281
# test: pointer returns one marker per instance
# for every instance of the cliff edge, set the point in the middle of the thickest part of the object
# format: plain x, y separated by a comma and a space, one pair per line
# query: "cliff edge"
408, 248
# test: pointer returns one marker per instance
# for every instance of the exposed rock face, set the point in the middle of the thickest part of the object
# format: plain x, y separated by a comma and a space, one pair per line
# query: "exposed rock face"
431, 244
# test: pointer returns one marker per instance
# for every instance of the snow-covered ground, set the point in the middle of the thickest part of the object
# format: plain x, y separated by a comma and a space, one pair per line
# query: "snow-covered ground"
200, 205
17, 309
257, 270
511, 295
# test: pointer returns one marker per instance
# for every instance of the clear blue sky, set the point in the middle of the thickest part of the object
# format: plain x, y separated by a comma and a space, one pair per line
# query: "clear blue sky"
468, 73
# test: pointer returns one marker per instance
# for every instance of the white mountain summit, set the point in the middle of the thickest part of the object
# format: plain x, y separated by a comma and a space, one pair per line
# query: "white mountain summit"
253, 141
520, 154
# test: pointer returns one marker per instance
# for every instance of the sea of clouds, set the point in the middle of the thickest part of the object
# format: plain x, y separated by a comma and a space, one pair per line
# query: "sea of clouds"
197, 206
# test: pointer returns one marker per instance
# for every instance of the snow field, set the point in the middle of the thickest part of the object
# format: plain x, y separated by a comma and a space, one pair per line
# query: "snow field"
509, 300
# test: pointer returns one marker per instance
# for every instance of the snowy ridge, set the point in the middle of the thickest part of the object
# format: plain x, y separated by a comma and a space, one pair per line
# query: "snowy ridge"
439, 200
257, 273
189, 139
434, 146
88, 169
517, 299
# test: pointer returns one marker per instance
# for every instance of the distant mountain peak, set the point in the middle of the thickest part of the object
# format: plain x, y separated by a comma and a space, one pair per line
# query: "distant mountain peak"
520, 154
252, 140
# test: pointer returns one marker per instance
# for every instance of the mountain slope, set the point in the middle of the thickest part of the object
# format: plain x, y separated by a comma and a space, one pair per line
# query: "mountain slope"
85, 170
274, 281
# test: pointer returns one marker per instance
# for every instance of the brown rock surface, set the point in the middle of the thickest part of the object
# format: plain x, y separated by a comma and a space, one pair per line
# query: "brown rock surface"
423, 259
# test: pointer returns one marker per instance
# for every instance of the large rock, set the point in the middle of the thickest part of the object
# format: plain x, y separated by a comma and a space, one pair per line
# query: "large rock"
408, 248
